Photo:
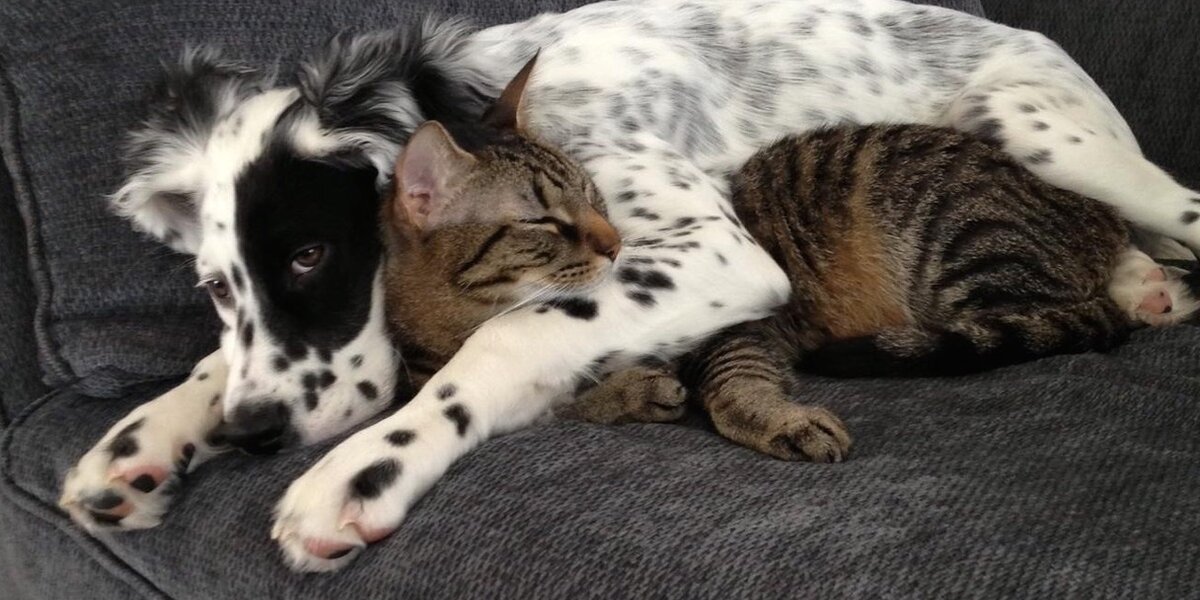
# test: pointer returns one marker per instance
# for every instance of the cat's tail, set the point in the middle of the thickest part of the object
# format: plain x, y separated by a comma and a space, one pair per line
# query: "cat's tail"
975, 345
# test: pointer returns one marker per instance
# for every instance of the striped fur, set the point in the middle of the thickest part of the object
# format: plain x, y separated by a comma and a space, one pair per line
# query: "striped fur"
521, 224
914, 250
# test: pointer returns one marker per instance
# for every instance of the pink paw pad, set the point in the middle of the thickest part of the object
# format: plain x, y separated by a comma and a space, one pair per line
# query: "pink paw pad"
144, 478
327, 549
1156, 303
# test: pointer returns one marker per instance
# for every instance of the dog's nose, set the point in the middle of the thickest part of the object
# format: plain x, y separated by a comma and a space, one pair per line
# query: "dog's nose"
257, 428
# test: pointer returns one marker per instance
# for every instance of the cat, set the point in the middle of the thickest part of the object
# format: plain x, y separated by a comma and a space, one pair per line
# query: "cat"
470, 234
915, 250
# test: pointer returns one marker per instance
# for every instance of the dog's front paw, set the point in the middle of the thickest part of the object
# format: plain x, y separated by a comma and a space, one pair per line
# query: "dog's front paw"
356, 495
127, 480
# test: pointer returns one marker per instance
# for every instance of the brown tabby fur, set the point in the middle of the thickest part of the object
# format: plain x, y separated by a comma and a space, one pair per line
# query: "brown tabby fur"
469, 235
525, 225
912, 250
915, 250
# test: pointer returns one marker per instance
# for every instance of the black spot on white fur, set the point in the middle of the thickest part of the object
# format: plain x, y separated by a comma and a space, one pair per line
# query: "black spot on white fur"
105, 500
577, 308
368, 390
643, 298
649, 279
326, 379
1040, 157
123, 444
400, 437
371, 482
447, 391
143, 483
1190, 217
457, 414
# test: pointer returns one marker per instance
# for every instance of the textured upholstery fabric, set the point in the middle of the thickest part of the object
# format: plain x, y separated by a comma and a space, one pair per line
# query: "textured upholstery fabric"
19, 381
113, 307
1070, 477
1143, 54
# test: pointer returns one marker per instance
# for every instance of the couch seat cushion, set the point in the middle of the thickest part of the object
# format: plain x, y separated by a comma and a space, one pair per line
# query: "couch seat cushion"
1075, 476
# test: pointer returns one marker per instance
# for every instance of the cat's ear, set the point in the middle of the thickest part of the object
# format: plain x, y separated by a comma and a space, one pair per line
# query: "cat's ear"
426, 174
508, 113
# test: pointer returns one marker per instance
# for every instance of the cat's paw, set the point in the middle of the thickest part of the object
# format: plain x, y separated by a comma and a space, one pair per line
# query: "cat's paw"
771, 424
633, 395
807, 433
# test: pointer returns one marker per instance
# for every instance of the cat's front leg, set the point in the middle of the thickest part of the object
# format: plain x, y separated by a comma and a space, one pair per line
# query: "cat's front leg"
126, 480
638, 394
746, 381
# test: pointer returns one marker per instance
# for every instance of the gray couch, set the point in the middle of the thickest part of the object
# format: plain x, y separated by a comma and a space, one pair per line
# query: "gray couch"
1069, 477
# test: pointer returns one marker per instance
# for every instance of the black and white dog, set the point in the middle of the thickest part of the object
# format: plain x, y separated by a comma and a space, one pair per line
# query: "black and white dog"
274, 190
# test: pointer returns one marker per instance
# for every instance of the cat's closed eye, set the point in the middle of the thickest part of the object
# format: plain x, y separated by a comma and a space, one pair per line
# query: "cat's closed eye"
553, 224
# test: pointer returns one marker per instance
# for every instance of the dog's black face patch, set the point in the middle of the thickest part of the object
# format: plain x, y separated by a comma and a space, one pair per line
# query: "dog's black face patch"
286, 204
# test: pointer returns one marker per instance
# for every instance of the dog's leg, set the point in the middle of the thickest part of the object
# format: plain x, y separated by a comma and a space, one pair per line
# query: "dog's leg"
126, 480
687, 270
1065, 130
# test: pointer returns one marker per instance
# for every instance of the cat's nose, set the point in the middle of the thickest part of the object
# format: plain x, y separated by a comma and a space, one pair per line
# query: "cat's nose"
601, 237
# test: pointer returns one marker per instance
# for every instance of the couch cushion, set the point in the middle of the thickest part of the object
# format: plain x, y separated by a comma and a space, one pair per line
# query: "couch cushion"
19, 381
113, 306
1074, 476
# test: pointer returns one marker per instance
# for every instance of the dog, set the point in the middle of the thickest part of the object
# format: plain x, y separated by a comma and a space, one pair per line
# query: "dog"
274, 190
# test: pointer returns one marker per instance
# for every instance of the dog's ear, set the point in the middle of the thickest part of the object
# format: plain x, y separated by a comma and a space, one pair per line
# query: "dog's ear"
366, 93
159, 193
508, 113
426, 172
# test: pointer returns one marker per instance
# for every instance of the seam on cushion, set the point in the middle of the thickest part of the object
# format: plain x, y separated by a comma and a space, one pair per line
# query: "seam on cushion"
10, 148
35, 507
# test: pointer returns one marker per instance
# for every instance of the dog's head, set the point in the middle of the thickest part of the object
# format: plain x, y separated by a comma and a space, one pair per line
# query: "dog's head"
275, 191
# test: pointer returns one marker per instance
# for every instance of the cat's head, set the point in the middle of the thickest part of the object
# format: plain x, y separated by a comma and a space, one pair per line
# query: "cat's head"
517, 217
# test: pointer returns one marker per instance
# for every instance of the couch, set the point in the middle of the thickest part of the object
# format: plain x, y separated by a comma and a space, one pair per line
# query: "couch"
1074, 476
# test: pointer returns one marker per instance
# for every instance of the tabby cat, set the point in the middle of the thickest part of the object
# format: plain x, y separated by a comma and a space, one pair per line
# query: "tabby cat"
914, 250
472, 234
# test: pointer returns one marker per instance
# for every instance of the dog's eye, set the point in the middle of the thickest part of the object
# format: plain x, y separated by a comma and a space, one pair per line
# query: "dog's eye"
218, 289
307, 259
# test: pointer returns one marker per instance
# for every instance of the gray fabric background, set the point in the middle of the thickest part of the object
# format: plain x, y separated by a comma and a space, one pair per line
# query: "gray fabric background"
1073, 477
114, 308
